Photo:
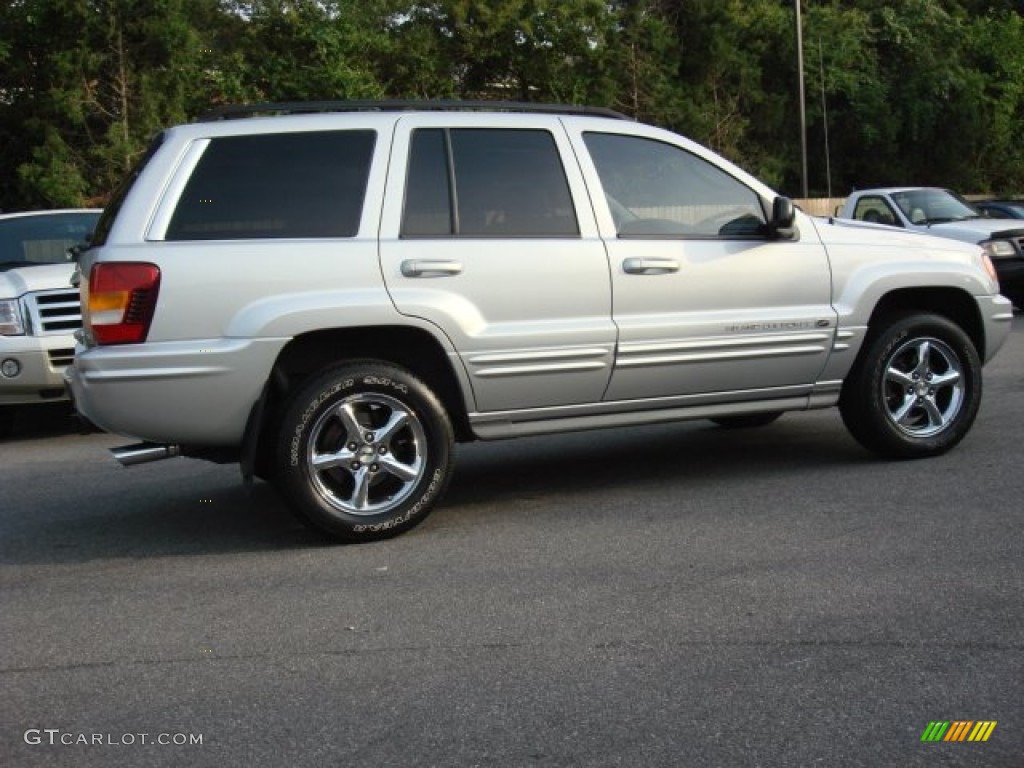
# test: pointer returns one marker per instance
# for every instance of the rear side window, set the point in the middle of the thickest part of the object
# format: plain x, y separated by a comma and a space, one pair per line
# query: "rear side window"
289, 185
470, 182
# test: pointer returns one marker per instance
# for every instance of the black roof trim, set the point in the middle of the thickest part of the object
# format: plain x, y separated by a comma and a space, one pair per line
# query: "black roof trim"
233, 111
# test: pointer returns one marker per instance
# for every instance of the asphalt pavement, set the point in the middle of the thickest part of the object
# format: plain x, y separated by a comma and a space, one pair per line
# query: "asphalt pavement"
678, 595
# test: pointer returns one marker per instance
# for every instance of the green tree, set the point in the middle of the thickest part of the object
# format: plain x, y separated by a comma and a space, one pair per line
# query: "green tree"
85, 86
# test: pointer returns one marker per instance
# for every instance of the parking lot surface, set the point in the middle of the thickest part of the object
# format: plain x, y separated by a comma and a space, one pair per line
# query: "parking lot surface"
670, 596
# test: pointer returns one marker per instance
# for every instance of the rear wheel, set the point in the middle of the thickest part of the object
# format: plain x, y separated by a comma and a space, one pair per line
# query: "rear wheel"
365, 451
916, 389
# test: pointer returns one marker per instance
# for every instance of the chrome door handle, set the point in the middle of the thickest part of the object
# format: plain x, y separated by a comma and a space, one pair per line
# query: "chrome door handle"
430, 268
650, 266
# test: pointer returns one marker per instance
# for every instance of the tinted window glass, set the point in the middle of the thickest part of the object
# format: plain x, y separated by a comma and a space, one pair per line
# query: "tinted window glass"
43, 239
656, 189
508, 183
511, 183
428, 209
276, 185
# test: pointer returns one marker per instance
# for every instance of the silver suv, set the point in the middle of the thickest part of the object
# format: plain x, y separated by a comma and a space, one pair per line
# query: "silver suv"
333, 294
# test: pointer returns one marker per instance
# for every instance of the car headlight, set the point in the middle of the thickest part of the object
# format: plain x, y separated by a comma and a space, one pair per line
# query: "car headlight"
1000, 249
10, 318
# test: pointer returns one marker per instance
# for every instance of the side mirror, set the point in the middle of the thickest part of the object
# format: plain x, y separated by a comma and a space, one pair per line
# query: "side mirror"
783, 218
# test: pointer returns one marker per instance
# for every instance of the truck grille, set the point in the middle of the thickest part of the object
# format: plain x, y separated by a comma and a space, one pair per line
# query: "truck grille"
53, 312
61, 358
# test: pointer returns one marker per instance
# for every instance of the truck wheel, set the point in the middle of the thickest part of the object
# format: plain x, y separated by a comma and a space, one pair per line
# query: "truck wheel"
365, 451
915, 390
747, 420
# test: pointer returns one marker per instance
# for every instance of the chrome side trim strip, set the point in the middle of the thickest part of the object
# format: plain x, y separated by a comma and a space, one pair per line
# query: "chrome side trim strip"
526, 370
712, 350
750, 341
548, 361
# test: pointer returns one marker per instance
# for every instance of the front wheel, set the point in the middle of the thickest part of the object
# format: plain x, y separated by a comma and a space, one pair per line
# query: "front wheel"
916, 389
365, 450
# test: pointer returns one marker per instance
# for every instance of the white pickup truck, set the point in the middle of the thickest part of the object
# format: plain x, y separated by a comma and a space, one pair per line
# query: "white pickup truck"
943, 213
39, 308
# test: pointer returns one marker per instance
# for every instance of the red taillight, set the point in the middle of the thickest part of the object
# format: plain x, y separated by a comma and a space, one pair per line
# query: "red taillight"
120, 300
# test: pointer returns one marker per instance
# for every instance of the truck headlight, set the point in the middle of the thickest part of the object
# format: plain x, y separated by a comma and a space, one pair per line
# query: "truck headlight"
1000, 249
10, 318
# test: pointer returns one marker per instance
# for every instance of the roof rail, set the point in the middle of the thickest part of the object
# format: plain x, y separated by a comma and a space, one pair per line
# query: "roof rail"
233, 111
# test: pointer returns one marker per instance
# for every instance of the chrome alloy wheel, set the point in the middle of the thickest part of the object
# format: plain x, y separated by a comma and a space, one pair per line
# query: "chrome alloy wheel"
923, 387
366, 454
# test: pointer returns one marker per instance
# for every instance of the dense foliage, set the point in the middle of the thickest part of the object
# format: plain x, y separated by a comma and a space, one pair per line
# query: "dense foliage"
915, 92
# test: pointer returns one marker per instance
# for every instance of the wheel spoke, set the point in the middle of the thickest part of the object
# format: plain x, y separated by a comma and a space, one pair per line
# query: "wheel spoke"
900, 414
952, 376
346, 413
935, 416
361, 491
404, 472
896, 376
398, 419
923, 355
326, 460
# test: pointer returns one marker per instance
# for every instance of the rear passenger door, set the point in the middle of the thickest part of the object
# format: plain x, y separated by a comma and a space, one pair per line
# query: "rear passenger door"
485, 234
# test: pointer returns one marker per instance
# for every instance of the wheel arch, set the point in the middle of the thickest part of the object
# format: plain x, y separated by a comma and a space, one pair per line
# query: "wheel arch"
954, 304
411, 348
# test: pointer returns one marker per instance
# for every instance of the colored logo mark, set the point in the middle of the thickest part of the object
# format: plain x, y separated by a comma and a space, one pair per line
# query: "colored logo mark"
958, 730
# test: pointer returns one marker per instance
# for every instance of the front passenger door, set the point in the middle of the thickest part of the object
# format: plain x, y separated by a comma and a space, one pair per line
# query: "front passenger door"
706, 300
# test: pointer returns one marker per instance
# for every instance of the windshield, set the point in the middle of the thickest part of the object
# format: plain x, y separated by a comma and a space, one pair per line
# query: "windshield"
934, 206
43, 238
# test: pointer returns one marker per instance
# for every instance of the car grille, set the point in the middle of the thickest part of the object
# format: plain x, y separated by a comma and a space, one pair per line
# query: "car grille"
61, 358
53, 312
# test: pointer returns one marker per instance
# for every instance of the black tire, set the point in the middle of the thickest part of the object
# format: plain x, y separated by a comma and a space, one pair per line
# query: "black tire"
747, 420
915, 389
364, 452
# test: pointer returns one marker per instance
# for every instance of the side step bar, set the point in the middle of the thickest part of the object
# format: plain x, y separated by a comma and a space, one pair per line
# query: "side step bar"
142, 453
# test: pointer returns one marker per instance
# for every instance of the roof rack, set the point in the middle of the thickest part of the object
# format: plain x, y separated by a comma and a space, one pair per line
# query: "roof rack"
233, 111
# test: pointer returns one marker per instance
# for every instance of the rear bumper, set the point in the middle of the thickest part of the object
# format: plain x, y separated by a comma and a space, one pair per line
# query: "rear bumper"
183, 392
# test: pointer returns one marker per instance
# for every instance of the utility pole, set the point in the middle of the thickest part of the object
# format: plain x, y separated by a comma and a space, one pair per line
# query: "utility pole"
800, 88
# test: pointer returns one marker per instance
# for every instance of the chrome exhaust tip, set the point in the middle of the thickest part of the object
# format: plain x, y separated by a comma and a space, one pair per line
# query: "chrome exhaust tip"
142, 453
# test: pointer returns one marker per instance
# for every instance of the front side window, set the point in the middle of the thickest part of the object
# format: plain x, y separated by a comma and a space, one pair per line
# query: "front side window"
288, 185
469, 182
656, 189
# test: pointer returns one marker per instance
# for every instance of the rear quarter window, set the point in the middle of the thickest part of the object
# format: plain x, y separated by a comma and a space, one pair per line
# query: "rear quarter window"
291, 185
